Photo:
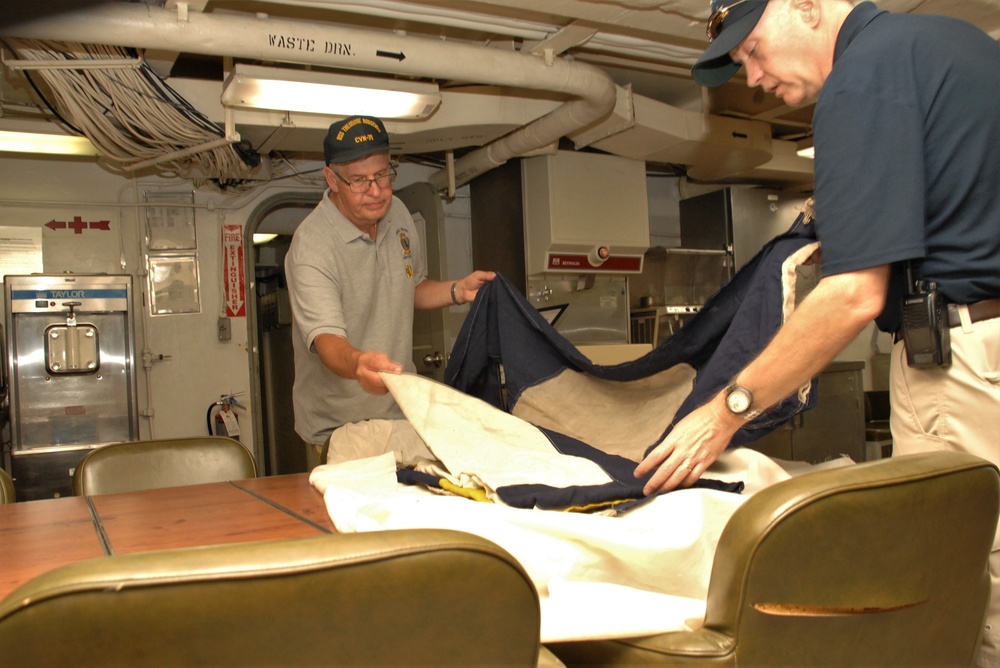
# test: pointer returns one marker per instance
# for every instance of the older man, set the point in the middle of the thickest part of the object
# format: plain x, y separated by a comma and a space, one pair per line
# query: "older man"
907, 181
355, 272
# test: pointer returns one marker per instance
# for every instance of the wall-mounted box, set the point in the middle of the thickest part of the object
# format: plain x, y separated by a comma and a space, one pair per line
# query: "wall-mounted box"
584, 213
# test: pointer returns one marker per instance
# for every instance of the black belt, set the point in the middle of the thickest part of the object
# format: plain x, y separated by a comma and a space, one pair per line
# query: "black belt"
986, 309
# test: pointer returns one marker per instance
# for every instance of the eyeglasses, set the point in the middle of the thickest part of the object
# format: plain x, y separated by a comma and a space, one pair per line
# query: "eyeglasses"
360, 184
716, 19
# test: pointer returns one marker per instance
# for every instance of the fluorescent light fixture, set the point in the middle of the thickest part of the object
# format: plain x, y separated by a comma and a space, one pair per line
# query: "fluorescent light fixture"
805, 149
329, 94
34, 142
263, 238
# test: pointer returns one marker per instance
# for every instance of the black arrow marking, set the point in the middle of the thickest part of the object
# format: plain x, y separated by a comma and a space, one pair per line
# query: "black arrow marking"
389, 54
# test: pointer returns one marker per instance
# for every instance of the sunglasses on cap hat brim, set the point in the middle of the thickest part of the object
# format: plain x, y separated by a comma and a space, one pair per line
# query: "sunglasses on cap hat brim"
728, 26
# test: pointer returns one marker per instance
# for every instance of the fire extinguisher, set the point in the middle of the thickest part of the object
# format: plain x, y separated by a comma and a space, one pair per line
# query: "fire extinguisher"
221, 417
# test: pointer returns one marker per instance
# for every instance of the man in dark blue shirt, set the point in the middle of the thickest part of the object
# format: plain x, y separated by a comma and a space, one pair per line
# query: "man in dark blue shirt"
907, 175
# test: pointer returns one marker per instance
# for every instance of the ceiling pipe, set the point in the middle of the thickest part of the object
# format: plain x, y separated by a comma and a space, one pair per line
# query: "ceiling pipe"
259, 37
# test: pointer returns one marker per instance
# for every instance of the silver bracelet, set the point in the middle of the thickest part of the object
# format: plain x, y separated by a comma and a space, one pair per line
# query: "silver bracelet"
454, 297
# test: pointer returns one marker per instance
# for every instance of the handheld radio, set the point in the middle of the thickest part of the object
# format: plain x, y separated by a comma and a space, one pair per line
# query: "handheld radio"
925, 324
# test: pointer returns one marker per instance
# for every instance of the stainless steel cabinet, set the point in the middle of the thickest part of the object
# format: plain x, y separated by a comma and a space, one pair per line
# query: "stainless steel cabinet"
739, 221
835, 427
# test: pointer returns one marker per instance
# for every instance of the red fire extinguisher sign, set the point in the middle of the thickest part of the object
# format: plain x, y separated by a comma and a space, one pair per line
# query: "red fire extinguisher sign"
232, 267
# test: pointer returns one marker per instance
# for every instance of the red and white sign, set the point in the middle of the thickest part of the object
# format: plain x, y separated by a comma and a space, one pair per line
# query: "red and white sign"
581, 262
78, 225
233, 273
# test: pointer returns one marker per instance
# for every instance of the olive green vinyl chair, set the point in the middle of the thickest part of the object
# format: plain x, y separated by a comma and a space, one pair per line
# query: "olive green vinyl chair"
6, 488
415, 597
136, 465
879, 564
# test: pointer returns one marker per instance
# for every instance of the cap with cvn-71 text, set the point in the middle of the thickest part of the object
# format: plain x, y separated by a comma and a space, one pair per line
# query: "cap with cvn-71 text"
354, 138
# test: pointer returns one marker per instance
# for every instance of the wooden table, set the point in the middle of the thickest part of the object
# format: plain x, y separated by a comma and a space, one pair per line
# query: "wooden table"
39, 536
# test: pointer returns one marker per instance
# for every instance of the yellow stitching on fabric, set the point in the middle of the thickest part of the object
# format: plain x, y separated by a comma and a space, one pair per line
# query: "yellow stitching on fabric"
468, 492
591, 507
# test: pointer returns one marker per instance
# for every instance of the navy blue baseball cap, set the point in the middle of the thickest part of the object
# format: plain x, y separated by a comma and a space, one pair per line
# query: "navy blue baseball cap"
731, 22
354, 138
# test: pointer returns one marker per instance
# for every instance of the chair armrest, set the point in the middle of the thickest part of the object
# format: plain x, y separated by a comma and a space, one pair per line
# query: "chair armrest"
677, 648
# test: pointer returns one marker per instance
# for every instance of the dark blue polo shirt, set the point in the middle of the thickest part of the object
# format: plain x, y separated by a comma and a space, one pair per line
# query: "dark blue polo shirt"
907, 136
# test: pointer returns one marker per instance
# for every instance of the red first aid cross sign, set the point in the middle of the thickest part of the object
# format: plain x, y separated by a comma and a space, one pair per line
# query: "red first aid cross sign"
232, 268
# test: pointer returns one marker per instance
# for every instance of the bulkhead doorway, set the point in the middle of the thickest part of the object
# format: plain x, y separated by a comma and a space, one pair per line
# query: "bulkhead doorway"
279, 449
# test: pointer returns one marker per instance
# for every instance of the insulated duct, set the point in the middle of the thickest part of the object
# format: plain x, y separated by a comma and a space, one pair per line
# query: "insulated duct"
259, 37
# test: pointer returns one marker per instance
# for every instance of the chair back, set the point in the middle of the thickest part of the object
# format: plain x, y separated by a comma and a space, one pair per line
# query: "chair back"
389, 598
6, 488
136, 465
880, 564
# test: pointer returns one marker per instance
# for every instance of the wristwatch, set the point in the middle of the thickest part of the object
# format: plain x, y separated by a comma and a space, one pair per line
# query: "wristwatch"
739, 401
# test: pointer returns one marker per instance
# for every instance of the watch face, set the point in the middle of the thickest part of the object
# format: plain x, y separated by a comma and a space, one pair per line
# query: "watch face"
738, 400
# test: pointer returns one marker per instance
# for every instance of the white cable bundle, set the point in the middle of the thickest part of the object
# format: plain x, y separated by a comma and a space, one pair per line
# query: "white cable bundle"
129, 113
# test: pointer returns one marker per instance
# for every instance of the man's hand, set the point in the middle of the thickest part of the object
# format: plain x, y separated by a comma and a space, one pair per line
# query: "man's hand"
348, 362
369, 364
467, 288
690, 448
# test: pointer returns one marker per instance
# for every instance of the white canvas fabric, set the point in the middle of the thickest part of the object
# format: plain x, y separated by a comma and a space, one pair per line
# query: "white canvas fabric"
650, 565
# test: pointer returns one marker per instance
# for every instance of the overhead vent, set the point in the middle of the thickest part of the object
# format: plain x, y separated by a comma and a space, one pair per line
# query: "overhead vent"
712, 147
